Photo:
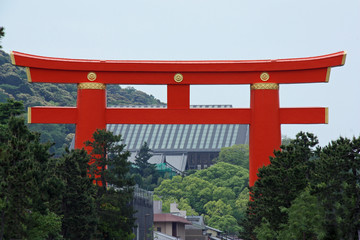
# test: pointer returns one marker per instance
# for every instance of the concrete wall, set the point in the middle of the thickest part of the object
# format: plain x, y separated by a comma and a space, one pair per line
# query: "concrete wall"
195, 234
181, 230
167, 229
143, 205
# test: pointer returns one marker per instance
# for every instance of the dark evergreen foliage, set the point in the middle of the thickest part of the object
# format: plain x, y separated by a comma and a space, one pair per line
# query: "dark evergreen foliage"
145, 173
129, 96
77, 209
22, 159
279, 184
336, 183
307, 193
142, 160
10, 109
2, 34
115, 186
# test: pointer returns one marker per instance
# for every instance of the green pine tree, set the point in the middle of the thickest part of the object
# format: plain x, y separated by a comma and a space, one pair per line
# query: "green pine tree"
306, 193
145, 173
78, 197
22, 157
25, 211
144, 168
279, 184
115, 186
2, 34
306, 218
336, 182
9, 109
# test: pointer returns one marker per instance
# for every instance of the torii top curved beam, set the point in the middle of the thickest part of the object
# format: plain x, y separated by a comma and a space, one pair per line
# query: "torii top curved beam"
293, 70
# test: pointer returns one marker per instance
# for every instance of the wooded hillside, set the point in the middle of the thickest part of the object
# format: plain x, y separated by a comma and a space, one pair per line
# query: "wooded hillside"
14, 84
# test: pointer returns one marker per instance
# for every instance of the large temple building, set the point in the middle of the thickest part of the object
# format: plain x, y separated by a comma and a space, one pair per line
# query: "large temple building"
181, 146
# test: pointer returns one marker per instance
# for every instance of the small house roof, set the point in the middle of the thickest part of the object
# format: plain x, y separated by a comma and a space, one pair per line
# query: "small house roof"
167, 217
214, 229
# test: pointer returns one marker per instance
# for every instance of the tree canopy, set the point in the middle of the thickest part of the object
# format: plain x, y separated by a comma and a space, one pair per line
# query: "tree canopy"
110, 169
145, 173
42, 197
218, 192
2, 34
25, 178
307, 192
236, 154
77, 204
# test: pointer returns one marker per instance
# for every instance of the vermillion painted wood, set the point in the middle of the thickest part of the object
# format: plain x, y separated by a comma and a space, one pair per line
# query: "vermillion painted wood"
264, 115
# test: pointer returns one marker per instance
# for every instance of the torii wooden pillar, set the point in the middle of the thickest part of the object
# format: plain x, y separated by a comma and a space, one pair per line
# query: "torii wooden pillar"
264, 76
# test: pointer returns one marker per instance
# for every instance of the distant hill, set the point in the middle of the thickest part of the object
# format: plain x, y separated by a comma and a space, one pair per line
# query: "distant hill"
14, 84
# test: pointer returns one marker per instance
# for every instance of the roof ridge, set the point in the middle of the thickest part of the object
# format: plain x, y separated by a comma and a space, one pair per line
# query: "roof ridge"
164, 106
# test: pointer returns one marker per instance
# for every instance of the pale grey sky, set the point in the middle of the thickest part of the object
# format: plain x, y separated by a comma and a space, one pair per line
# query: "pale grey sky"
205, 30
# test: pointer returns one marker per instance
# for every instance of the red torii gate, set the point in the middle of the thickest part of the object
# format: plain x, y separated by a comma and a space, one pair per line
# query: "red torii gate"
264, 115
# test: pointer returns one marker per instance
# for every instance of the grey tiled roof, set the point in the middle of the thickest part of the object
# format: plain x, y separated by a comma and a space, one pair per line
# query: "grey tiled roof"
181, 137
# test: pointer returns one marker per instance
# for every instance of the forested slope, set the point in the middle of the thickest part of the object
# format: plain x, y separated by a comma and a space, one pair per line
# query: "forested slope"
14, 84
